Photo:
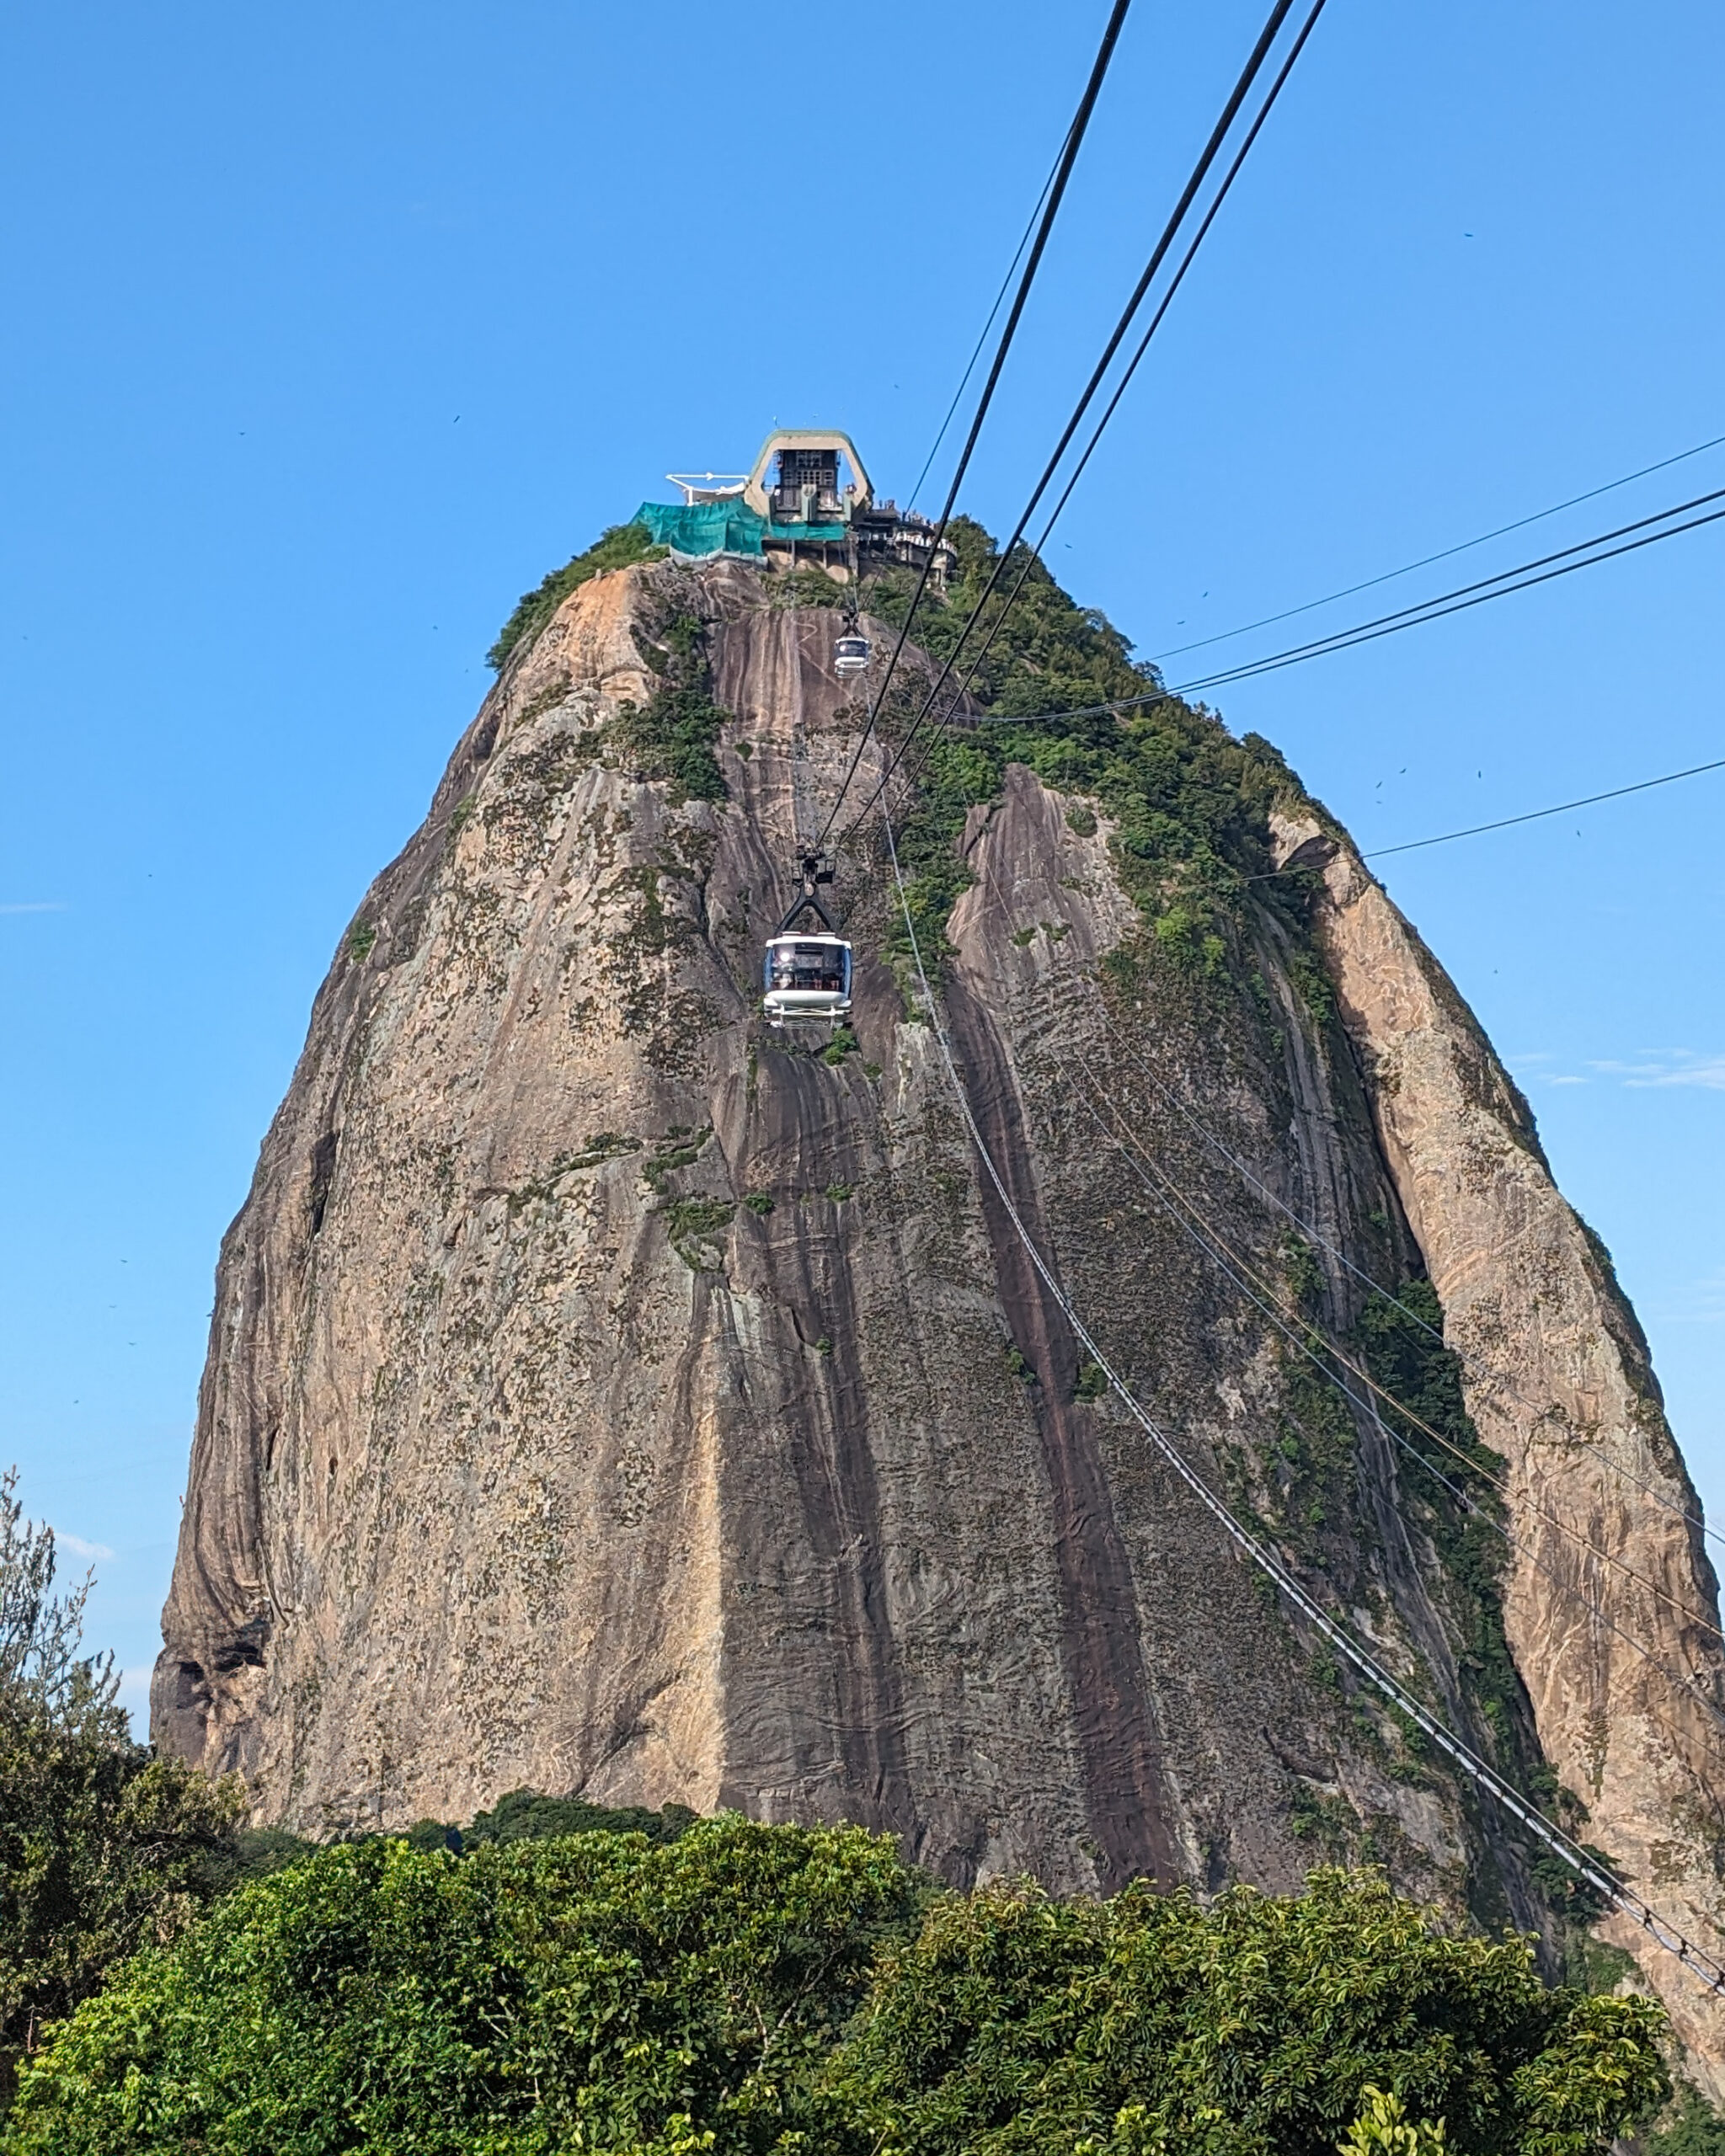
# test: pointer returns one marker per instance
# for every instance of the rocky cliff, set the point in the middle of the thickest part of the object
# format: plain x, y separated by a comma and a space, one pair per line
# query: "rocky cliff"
608, 1394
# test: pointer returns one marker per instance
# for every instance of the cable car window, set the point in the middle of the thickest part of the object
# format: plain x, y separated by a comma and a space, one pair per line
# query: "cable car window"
818, 966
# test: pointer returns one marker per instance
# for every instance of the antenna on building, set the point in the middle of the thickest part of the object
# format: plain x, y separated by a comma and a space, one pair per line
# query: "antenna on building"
709, 486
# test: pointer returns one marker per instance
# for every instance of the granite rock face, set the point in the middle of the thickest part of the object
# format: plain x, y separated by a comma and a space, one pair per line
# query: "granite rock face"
606, 1395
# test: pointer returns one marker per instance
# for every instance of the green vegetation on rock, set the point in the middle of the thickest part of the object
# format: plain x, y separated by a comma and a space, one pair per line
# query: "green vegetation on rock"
1695, 2128
1188, 802
615, 549
672, 735
1254, 2027
524, 1815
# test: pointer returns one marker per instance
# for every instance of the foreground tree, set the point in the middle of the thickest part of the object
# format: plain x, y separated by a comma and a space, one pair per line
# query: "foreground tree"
747, 1989
596, 1991
1258, 2026
102, 1848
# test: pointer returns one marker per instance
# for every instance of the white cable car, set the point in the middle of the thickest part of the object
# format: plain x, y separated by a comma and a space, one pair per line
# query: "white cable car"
849, 655
807, 973
807, 977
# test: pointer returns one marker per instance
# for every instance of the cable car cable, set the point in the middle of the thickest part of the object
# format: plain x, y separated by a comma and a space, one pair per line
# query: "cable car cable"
1166, 301
1507, 581
1063, 174
982, 336
1458, 602
1586, 1867
1276, 1313
1200, 172
1444, 554
1216, 1245
1686, 1685
1533, 815
1341, 1257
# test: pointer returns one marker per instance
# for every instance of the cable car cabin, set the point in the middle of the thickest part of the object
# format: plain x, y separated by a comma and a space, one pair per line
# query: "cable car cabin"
849, 655
807, 977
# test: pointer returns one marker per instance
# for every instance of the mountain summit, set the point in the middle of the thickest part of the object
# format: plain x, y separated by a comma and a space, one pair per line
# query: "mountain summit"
609, 1393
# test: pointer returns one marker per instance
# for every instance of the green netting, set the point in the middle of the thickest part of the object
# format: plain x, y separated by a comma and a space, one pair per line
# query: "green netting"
727, 527
785, 533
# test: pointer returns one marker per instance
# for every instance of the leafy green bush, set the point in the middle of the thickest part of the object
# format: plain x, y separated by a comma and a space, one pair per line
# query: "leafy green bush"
524, 1815
597, 1992
744, 1989
1252, 2028
1093, 1382
1383, 2128
615, 549
1695, 2129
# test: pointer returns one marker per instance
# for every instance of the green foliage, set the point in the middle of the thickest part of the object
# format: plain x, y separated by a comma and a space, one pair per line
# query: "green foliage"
524, 1815
1383, 2128
598, 1991
759, 1201
259, 1850
1403, 1346
1302, 1272
1093, 1382
677, 1149
712, 1984
360, 940
1020, 1367
1189, 804
1314, 984
807, 587
615, 549
102, 1847
1316, 1455
842, 1044
1695, 2129
671, 735
691, 1221
1252, 2028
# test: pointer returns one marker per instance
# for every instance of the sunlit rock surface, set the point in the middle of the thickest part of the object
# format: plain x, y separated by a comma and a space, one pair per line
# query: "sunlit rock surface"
607, 1396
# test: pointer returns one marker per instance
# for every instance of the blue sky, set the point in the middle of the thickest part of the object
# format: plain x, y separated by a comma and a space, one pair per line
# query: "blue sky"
329, 330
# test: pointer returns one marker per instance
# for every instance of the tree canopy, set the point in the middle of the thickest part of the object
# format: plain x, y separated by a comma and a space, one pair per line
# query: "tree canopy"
102, 1847
781, 1991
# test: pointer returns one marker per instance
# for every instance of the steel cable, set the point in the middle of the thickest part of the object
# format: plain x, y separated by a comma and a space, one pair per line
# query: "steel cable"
1586, 1866
1069, 154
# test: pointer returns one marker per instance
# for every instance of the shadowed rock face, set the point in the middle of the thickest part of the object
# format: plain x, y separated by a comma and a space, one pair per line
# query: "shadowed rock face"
529, 1451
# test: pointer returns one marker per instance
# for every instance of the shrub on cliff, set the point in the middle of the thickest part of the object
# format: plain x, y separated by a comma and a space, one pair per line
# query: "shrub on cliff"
102, 1847
747, 1989
1187, 803
614, 549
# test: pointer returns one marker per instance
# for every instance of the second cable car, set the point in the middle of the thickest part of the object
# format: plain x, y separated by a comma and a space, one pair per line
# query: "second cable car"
806, 972
849, 655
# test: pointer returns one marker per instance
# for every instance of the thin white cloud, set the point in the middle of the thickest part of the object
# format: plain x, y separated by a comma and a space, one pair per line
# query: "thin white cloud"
1677, 1066
92, 1553
1558, 1078
1704, 1305
35, 905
